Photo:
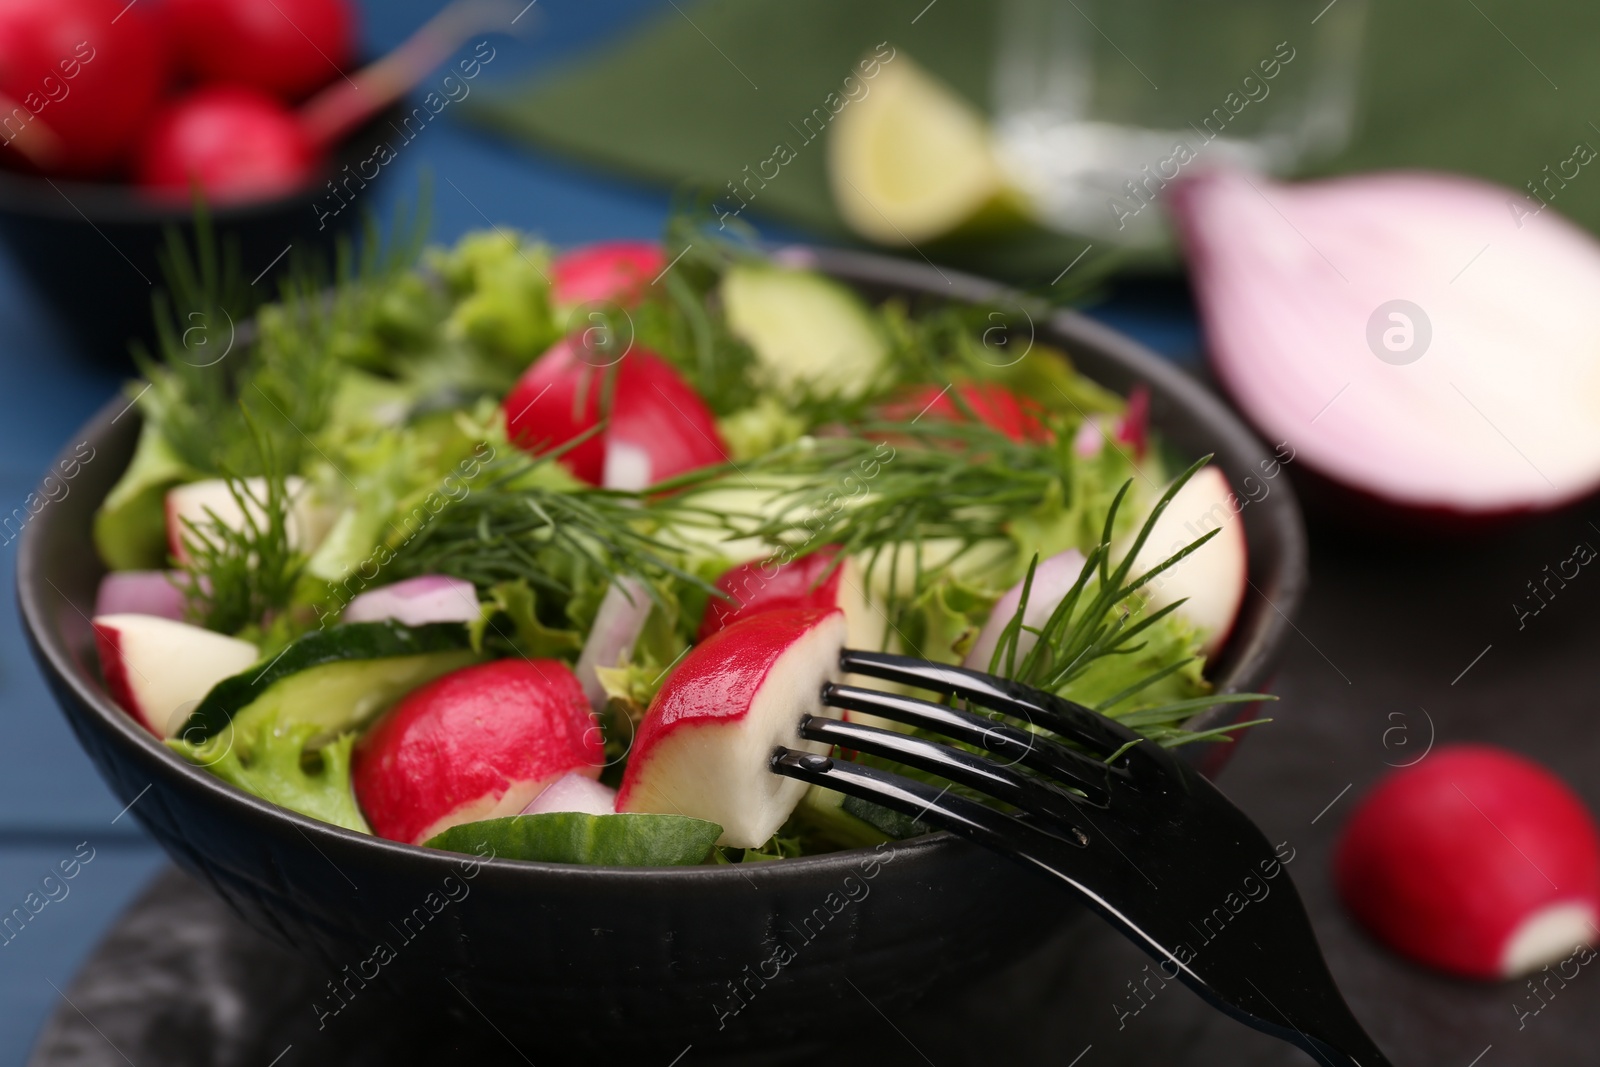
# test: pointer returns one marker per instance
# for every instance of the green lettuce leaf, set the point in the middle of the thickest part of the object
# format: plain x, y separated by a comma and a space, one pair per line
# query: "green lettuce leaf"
504, 295
941, 622
758, 429
528, 635
130, 528
594, 840
273, 760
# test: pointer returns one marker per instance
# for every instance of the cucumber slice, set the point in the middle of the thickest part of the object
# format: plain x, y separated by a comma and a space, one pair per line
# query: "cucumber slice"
336, 679
806, 330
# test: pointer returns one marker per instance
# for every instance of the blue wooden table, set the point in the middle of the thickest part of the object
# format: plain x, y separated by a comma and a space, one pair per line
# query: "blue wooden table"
51, 800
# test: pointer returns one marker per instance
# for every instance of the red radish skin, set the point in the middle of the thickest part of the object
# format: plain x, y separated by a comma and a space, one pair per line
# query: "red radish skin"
114, 669
556, 400
611, 271
1476, 861
811, 581
703, 746
994, 405
1133, 429
765, 586
1296, 286
479, 743
234, 143
283, 47
658, 426
85, 84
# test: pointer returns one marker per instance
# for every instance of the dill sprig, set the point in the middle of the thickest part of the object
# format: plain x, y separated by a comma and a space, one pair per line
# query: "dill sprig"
1102, 615
891, 484
214, 366
517, 526
241, 575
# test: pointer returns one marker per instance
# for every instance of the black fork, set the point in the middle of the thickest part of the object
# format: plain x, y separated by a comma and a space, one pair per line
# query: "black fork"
1144, 838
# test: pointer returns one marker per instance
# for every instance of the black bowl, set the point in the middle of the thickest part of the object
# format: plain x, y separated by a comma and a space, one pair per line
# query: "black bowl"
92, 250
577, 962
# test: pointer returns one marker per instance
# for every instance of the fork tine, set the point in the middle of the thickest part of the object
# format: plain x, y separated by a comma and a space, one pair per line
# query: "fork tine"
1034, 796
925, 804
1072, 721
1035, 751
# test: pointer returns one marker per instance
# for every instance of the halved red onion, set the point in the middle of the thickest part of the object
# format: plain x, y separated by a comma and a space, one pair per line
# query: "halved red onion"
617, 626
574, 792
417, 601
1426, 339
140, 593
1053, 579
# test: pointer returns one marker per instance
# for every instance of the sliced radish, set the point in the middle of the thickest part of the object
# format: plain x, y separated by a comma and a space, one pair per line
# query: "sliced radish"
1423, 339
1130, 431
556, 400
703, 747
1133, 427
479, 743
659, 416
140, 593
617, 626
657, 428
610, 271
1476, 861
574, 792
211, 501
1211, 582
417, 601
158, 669
1053, 579
994, 405
806, 582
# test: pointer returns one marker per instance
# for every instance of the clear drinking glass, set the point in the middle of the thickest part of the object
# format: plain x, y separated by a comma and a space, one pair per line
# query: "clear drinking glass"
1103, 103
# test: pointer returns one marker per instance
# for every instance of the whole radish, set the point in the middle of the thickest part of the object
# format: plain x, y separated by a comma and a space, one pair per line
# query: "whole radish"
235, 140
1476, 861
234, 143
285, 47
79, 78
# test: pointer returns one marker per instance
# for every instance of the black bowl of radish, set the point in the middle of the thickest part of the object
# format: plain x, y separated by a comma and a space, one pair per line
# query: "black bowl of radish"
576, 962
93, 251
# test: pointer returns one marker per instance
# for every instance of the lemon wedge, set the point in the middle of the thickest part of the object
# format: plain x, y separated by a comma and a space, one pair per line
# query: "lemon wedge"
912, 161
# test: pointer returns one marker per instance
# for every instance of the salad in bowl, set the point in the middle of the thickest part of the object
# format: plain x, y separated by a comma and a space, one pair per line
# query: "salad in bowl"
499, 547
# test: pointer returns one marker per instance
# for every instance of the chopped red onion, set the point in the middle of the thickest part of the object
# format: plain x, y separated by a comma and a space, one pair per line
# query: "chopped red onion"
417, 601
574, 792
140, 593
